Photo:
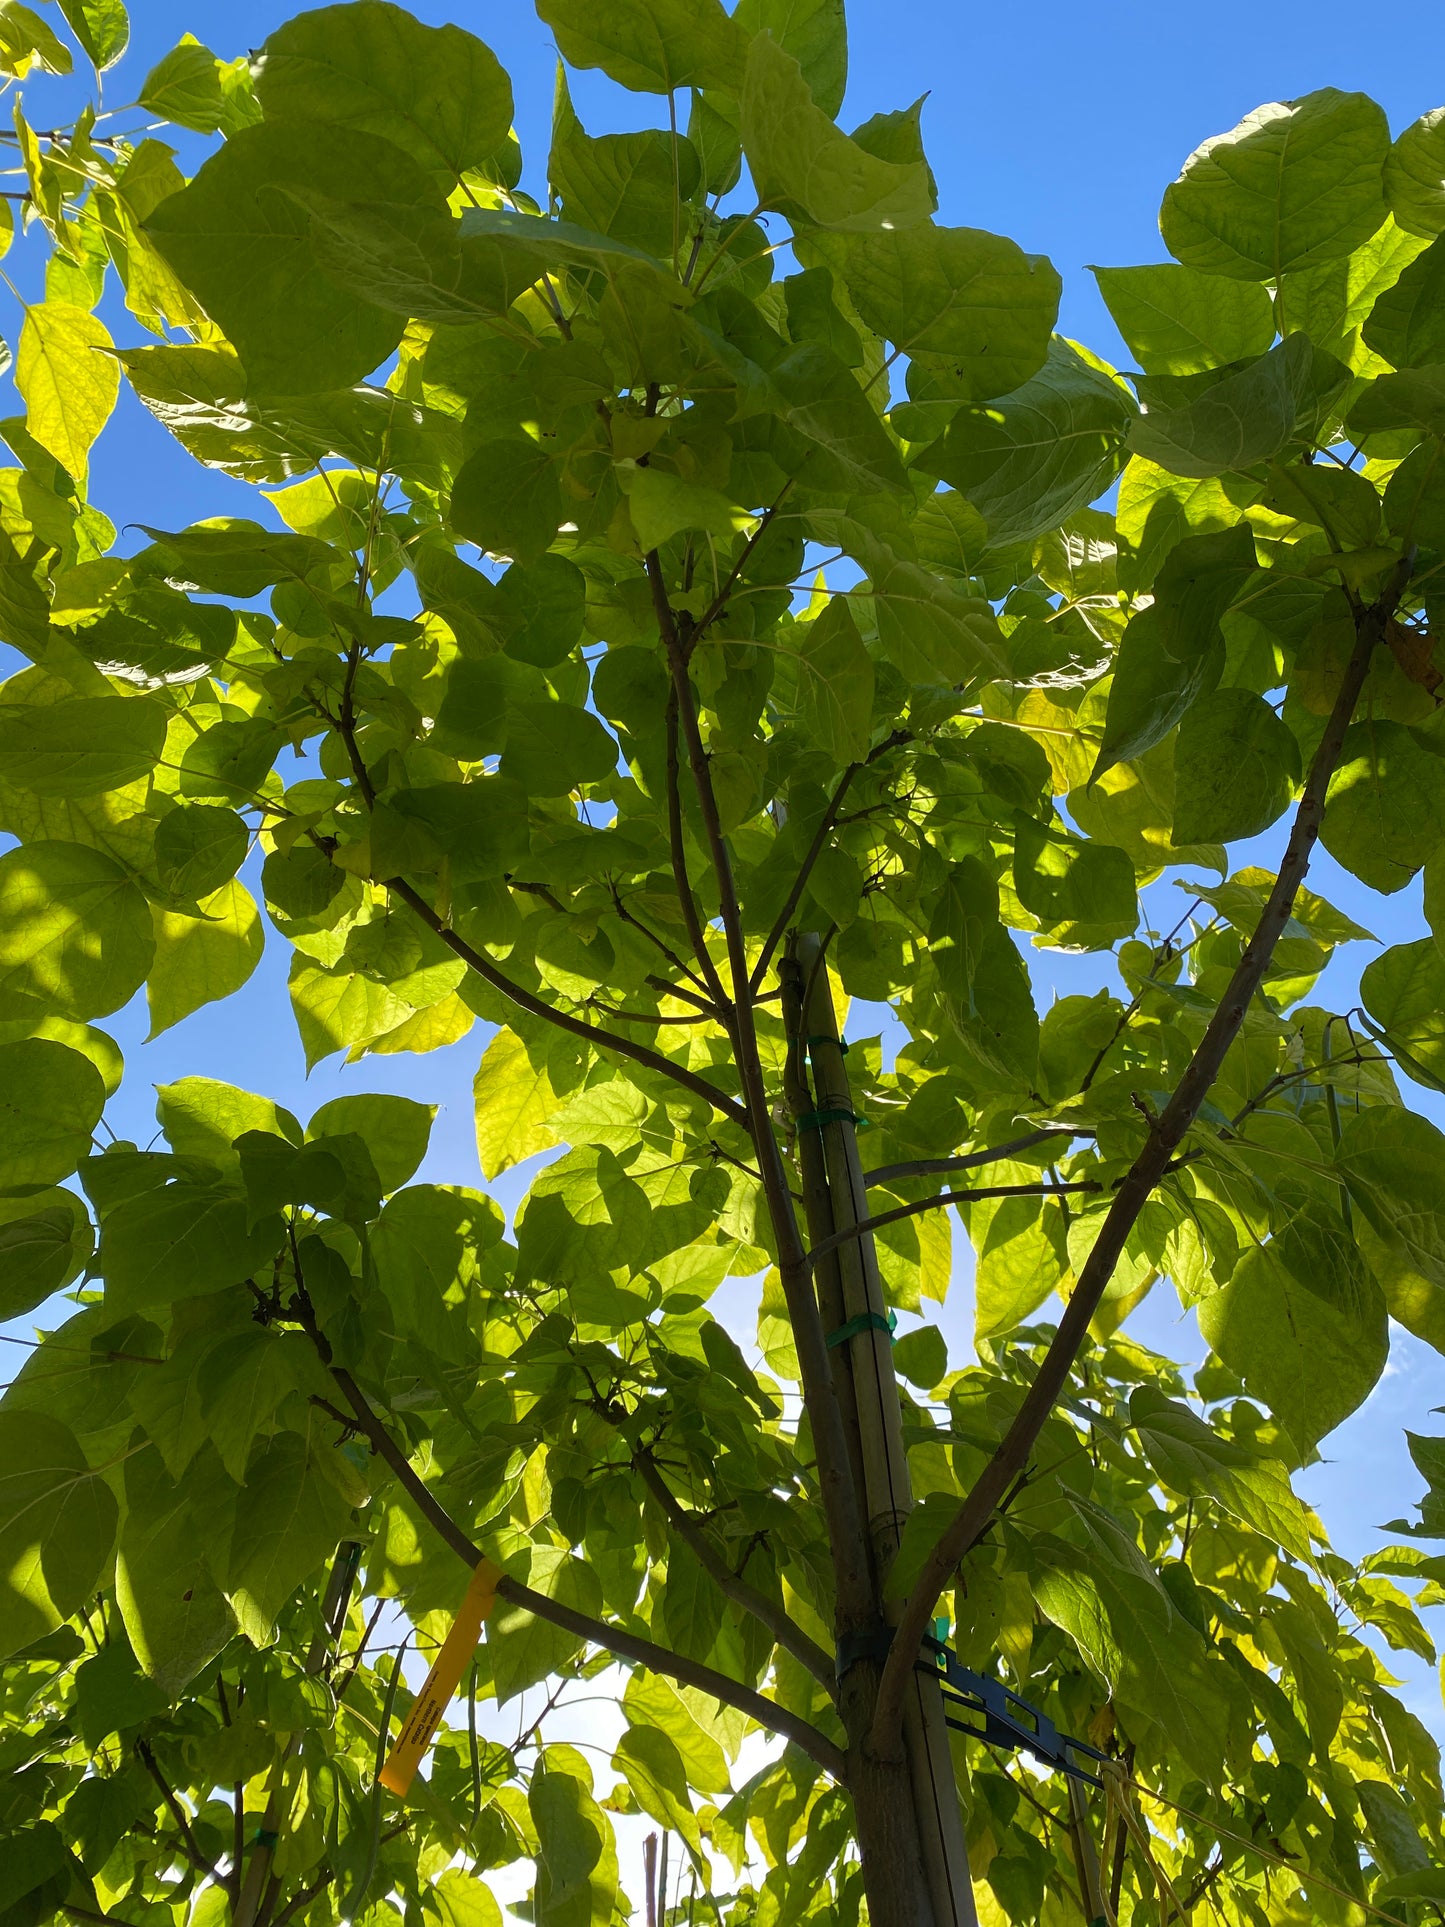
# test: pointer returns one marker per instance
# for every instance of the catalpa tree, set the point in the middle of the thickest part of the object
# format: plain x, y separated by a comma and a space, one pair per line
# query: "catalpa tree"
676, 607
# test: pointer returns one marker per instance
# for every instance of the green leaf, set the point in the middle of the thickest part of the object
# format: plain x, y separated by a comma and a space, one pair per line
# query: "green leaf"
202, 1118
982, 978
851, 448
198, 847
1197, 1463
481, 825
437, 93
289, 1518
185, 87
1243, 419
1414, 398
1415, 175
1173, 649
242, 1380
1083, 893
535, 243
412, 261
1415, 497
24, 611
1296, 183
1111, 1603
245, 251
340, 1010
428, 1246
692, 1606
922, 1357
69, 381
803, 166
464, 1901
75, 932
547, 606
835, 683
651, 46
1394, 1164
1403, 989
663, 505
58, 1519
1330, 302
1177, 321
203, 957
1385, 807
26, 42
814, 32
525, 1650
515, 1104
927, 628
507, 498
81, 747
689, 1719
1029, 461
1405, 325
972, 298
1235, 768
110, 1694
51, 1099
236, 558
554, 748
181, 1241
577, 1860
101, 27
1020, 1252
652, 1766
45, 1240
394, 1129
1303, 1324
173, 1533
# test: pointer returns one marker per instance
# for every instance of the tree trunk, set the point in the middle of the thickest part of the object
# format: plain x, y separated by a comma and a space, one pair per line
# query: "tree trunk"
908, 1809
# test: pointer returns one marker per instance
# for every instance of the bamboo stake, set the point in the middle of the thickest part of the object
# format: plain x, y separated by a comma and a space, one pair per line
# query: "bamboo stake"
887, 1487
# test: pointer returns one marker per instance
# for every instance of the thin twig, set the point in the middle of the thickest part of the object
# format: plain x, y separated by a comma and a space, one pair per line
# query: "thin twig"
939, 1201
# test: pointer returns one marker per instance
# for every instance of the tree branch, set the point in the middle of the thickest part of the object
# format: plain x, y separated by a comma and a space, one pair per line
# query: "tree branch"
815, 850
498, 979
842, 1514
719, 602
661, 945
538, 1007
612, 1639
1133, 1192
784, 1629
970, 1161
681, 882
177, 1812
940, 1199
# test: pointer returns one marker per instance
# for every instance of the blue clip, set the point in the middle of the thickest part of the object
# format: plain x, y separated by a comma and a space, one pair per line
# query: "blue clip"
1008, 1720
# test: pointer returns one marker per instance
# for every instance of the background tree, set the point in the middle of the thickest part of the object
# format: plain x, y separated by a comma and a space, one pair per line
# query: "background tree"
729, 713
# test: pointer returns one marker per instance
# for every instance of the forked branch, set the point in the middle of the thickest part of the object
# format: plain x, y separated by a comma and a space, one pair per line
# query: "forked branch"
611, 1639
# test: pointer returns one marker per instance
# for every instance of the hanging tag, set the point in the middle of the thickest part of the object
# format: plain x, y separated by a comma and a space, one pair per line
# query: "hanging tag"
441, 1682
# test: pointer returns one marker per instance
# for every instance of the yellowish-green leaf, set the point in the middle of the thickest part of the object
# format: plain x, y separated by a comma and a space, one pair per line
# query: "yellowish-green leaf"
69, 380
201, 958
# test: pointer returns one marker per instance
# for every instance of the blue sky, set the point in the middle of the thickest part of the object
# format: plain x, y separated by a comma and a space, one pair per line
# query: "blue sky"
1058, 125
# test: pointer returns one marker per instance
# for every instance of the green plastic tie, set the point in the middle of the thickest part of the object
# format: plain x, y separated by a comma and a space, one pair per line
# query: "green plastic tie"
263, 1837
815, 1120
823, 1038
866, 1321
